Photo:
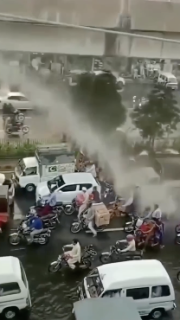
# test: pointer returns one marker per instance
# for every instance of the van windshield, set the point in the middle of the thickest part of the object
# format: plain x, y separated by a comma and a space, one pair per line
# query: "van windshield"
94, 284
172, 80
55, 183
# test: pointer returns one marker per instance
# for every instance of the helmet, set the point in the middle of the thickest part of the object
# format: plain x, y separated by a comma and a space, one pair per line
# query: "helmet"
84, 189
129, 237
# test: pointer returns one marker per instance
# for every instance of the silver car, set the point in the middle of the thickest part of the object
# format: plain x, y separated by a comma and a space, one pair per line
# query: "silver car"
18, 100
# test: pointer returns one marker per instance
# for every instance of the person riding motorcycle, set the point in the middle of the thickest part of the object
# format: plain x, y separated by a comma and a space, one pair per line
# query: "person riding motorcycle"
96, 195
89, 216
156, 216
36, 225
47, 209
131, 247
74, 255
133, 203
85, 200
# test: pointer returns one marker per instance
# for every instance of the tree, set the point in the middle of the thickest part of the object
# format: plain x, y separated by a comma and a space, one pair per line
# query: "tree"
99, 100
159, 116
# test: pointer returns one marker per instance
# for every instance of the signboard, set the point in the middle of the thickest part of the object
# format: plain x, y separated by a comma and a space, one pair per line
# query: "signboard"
52, 169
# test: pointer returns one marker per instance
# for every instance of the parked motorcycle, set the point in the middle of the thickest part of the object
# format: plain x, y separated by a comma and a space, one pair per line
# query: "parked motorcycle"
87, 256
22, 235
79, 225
115, 255
57, 209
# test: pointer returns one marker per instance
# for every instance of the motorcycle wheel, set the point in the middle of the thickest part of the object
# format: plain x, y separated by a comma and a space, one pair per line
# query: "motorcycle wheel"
177, 228
14, 239
87, 263
25, 129
104, 258
43, 240
177, 239
75, 227
68, 210
128, 228
178, 276
54, 267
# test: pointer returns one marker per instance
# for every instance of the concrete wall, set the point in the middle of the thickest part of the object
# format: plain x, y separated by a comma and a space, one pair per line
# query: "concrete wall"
35, 38
154, 15
96, 13
145, 48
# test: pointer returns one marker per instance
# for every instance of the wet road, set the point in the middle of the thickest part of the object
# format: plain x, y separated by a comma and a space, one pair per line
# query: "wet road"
53, 295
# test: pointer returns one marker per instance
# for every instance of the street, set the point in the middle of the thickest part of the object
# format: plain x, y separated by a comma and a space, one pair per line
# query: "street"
53, 295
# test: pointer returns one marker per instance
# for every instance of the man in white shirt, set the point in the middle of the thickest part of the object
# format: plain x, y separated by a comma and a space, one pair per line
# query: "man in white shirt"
156, 214
131, 244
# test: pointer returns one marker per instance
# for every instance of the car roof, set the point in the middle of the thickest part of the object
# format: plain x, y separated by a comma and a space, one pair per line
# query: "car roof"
79, 177
167, 74
10, 269
132, 273
16, 94
30, 162
106, 309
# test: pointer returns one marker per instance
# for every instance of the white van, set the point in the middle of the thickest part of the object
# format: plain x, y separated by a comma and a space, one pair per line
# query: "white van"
146, 281
168, 80
14, 289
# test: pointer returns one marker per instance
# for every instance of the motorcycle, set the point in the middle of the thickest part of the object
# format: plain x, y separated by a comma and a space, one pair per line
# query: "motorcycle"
57, 209
115, 254
22, 235
88, 254
177, 237
49, 222
70, 209
178, 276
135, 223
80, 225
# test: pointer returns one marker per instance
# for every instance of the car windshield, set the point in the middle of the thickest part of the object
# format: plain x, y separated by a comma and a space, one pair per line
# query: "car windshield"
55, 183
94, 284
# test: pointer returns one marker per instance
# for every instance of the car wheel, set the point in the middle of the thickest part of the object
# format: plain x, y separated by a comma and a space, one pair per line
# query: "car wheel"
156, 314
30, 187
10, 313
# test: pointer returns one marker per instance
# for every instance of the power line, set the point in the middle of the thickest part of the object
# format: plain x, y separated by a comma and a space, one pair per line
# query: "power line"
21, 19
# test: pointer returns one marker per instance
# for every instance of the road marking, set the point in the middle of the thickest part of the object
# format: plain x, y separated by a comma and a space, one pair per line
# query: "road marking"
107, 230
17, 249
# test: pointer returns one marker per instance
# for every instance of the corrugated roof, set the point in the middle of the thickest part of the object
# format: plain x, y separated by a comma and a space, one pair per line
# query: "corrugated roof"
154, 15
95, 13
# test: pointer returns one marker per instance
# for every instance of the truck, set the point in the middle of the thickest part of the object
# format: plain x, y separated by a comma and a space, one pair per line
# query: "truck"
48, 162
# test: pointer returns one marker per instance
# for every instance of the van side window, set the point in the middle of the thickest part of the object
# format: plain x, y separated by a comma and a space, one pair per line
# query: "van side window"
160, 291
112, 294
138, 293
23, 275
9, 288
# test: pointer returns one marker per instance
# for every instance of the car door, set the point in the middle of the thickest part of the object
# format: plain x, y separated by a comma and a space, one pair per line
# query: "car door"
140, 296
24, 103
67, 193
14, 100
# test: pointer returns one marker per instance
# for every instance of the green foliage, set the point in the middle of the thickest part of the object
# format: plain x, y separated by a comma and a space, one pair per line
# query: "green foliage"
11, 150
159, 116
98, 99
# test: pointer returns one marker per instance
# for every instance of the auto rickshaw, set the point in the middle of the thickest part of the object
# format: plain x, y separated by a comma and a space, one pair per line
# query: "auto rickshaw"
4, 207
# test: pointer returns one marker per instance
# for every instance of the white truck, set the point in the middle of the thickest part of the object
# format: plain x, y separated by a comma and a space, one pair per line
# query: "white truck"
49, 161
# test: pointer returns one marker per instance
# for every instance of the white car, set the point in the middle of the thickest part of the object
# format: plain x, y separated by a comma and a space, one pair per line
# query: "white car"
18, 100
67, 186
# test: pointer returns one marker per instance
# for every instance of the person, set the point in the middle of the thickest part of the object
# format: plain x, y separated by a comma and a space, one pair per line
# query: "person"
131, 244
156, 214
50, 202
96, 195
74, 254
89, 216
2, 179
85, 200
36, 224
